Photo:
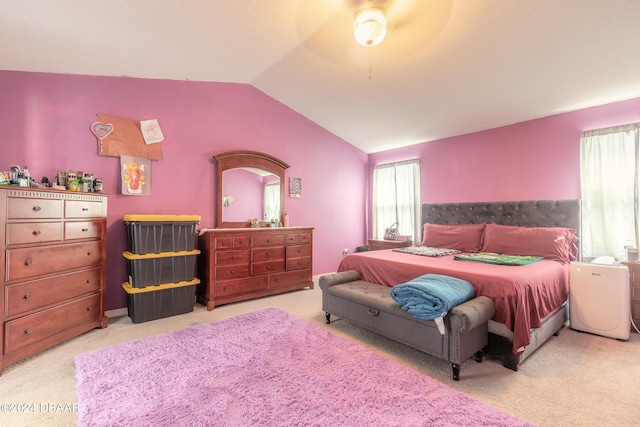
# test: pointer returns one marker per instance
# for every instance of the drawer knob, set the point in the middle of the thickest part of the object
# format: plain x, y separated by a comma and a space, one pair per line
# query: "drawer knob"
89, 281
37, 208
268, 253
85, 209
27, 296
36, 232
233, 271
268, 267
84, 230
89, 308
89, 253
28, 331
28, 262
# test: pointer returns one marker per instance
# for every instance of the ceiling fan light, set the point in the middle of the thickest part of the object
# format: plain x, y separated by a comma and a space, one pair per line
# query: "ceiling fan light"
370, 24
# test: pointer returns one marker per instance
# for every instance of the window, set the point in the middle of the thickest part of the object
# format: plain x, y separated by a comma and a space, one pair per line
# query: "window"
396, 198
609, 181
271, 201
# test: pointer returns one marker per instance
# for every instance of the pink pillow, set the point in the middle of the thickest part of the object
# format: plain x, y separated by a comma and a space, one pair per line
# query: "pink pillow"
556, 243
463, 237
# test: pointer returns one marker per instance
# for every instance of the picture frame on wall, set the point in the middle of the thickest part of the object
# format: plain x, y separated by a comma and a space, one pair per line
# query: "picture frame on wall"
295, 188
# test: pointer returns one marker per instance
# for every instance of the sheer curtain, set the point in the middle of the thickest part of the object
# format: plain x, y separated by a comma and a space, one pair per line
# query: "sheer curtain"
271, 201
396, 198
609, 182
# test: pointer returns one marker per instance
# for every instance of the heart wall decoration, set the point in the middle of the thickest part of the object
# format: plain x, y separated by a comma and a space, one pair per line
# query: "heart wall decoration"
101, 130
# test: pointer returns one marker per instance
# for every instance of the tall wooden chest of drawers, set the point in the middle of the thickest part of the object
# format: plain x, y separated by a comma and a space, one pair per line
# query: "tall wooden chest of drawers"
237, 264
634, 282
53, 246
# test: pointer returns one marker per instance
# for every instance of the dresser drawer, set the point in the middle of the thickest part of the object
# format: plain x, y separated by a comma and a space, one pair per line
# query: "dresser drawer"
267, 267
29, 262
28, 296
267, 254
304, 237
291, 277
231, 257
298, 238
27, 330
635, 310
297, 263
233, 287
27, 208
82, 230
294, 251
82, 209
232, 242
33, 232
268, 240
232, 271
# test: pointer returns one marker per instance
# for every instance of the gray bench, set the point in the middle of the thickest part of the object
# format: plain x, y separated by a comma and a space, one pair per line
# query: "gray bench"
370, 306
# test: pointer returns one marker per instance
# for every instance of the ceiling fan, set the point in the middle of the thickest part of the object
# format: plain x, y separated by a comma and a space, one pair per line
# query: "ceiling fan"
410, 26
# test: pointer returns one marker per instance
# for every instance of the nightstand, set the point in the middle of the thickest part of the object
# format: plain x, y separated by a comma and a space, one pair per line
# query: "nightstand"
634, 282
376, 245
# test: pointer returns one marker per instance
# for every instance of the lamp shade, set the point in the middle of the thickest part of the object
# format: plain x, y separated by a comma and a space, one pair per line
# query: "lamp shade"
370, 24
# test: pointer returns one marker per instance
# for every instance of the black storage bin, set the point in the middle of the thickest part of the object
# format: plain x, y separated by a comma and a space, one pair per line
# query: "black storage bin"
160, 233
162, 301
158, 269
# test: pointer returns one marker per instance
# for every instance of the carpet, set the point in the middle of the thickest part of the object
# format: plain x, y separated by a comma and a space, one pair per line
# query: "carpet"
265, 368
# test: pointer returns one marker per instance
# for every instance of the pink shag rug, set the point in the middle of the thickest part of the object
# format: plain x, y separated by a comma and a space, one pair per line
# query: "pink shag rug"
265, 368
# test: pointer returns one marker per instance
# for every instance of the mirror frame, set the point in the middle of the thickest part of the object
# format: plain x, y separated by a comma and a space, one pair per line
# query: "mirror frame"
246, 159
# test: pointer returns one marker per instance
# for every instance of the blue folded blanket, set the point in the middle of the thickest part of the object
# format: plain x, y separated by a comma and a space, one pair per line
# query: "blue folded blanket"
432, 295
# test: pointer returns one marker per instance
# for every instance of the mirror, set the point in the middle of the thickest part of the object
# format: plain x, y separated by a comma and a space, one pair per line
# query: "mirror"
250, 193
250, 185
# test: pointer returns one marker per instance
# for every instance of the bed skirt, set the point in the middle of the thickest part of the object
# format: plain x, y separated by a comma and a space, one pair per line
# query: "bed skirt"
501, 344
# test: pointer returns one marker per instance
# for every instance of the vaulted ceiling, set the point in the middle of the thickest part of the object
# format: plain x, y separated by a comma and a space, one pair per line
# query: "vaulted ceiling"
446, 67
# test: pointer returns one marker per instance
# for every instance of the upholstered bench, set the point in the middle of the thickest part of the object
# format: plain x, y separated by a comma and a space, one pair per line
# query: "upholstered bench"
370, 306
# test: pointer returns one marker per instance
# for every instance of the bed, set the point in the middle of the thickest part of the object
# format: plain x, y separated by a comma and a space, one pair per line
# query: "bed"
530, 300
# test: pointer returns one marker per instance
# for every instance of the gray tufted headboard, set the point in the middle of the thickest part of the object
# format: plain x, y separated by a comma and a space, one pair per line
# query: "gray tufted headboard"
527, 213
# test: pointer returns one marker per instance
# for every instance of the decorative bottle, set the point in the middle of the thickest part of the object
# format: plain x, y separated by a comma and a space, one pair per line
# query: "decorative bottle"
27, 176
285, 219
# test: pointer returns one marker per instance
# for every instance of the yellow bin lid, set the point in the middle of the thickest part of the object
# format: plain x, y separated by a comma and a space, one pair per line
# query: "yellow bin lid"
161, 218
131, 290
129, 255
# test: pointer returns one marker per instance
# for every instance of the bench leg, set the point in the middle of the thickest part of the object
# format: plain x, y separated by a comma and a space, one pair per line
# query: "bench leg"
456, 371
478, 356
328, 317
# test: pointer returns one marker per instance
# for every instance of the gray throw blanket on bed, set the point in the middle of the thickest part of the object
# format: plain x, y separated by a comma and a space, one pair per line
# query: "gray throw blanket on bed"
431, 296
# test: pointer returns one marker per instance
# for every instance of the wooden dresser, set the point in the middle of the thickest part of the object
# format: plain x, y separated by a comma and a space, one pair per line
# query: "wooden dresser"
376, 245
237, 264
53, 268
634, 282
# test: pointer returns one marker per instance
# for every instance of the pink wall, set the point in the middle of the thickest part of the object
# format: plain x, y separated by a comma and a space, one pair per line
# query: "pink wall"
45, 121
45, 118
533, 160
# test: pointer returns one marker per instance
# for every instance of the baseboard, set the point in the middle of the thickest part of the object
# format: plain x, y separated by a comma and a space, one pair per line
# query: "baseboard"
118, 312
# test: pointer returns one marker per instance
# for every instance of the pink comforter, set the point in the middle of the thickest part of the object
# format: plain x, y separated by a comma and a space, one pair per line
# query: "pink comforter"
523, 295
